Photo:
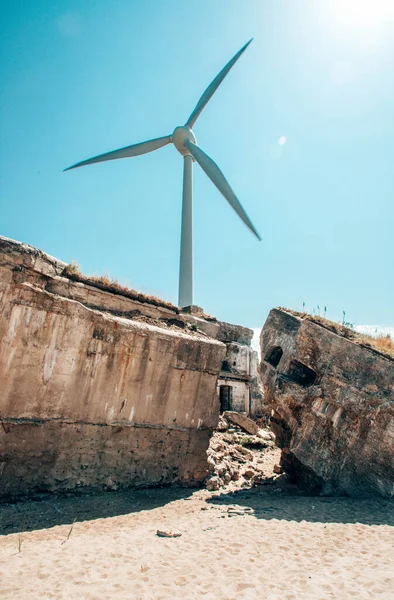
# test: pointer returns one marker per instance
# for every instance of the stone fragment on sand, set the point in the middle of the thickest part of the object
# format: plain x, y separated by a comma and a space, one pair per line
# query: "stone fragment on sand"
265, 435
244, 451
226, 477
249, 473
168, 533
213, 484
211, 464
222, 425
217, 447
221, 469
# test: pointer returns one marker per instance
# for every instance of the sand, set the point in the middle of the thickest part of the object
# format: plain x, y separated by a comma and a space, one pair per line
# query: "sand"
259, 543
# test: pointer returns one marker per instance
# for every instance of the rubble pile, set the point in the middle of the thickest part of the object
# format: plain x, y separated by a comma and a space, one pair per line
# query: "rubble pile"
237, 459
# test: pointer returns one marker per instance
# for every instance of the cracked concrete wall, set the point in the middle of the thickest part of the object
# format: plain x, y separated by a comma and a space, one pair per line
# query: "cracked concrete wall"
333, 406
89, 399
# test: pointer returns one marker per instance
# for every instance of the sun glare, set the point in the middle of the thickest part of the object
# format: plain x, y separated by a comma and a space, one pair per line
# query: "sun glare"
364, 13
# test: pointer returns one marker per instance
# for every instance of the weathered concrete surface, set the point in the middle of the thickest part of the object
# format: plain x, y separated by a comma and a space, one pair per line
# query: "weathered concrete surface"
61, 456
242, 421
240, 373
91, 399
234, 333
333, 403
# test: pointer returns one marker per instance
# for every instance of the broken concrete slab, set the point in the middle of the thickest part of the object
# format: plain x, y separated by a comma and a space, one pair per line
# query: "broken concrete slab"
242, 421
333, 406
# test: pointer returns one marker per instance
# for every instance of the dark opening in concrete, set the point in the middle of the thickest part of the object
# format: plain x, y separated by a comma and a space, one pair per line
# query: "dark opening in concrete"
226, 366
300, 373
226, 397
274, 355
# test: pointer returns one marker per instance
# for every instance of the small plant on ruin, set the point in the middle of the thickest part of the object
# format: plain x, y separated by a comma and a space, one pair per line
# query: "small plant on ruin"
345, 323
382, 343
109, 284
72, 268
245, 440
251, 442
107, 281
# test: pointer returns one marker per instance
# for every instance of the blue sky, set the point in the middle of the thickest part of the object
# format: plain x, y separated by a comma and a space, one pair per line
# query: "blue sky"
81, 78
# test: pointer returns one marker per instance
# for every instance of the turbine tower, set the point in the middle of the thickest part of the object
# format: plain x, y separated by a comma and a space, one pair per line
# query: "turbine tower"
185, 142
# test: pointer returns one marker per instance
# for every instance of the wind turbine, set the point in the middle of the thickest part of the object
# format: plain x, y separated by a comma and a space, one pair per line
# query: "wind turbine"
185, 142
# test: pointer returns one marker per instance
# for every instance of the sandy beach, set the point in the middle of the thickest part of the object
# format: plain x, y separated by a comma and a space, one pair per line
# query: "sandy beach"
261, 542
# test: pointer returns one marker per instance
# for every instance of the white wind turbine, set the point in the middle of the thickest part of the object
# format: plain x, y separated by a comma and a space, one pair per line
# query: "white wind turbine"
185, 142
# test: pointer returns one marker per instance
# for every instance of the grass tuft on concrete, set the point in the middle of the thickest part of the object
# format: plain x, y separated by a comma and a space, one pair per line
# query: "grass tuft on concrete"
382, 343
108, 284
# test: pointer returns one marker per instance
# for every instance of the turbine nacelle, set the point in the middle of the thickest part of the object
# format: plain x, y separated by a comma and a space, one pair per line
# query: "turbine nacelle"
180, 136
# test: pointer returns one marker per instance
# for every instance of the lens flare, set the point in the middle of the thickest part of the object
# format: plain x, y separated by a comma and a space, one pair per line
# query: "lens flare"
364, 13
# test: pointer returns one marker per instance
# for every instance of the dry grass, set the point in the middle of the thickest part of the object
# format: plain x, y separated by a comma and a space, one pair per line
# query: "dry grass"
108, 284
70, 531
382, 343
72, 268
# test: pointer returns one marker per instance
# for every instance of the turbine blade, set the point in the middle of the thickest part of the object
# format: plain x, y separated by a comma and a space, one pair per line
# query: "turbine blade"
217, 178
213, 86
128, 151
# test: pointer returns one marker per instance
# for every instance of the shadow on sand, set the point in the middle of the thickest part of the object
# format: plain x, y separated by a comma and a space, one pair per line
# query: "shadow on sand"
263, 502
48, 510
282, 505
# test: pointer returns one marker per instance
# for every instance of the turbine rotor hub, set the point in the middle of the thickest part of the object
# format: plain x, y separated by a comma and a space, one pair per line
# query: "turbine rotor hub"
180, 135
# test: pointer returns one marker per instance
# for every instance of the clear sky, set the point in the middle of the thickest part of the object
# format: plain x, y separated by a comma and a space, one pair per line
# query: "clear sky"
302, 127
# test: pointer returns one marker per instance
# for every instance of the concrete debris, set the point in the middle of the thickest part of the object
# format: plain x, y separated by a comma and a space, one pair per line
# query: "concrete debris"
266, 435
242, 421
222, 425
168, 533
213, 484
249, 473
237, 460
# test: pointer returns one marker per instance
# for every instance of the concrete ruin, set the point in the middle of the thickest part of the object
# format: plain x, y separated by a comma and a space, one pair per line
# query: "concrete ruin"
101, 386
333, 405
239, 385
93, 399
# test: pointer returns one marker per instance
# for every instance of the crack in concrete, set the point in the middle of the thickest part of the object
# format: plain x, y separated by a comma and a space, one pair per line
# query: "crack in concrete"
65, 421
